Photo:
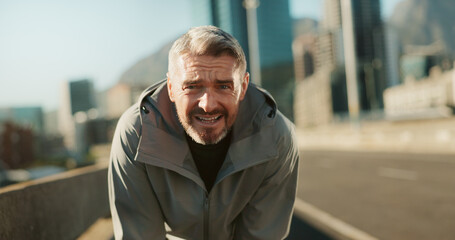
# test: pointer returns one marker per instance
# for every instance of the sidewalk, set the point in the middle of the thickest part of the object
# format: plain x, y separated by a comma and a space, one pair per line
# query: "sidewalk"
102, 229
423, 136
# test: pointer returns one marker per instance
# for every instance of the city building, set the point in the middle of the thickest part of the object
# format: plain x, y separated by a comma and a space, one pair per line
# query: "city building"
17, 145
370, 53
369, 47
419, 65
305, 51
431, 97
330, 51
370, 58
77, 106
20, 130
313, 104
331, 19
393, 53
26, 117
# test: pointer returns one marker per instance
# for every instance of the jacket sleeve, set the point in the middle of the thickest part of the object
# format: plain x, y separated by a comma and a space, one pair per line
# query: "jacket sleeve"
268, 214
134, 208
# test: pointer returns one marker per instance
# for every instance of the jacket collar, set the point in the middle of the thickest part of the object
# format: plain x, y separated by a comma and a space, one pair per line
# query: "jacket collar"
256, 101
162, 130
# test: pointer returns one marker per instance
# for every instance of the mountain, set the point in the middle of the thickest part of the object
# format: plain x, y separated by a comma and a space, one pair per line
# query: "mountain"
148, 70
425, 22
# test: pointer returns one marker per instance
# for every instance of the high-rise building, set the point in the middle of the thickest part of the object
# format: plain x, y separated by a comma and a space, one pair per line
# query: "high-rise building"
393, 52
305, 51
274, 27
331, 15
330, 49
330, 39
331, 84
370, 52
77, 105
369, 47
82, 95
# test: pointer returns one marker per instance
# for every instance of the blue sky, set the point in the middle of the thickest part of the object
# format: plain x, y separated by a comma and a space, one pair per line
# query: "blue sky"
44, 43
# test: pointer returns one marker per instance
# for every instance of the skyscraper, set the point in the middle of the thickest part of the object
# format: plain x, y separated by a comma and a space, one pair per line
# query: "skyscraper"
82, 95
370, 51
76, 106
305, 51
369, 47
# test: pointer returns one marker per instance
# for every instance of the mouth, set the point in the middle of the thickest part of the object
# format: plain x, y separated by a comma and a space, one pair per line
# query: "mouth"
208, 120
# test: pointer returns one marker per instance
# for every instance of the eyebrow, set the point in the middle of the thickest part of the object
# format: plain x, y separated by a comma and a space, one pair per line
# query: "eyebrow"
196, 81
224, 81
191, 81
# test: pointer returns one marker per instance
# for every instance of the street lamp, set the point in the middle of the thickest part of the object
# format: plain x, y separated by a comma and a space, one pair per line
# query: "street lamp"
350, 61
253, 41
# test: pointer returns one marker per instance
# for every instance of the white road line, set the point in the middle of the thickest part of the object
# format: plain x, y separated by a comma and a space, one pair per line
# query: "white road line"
328, 223
397, 173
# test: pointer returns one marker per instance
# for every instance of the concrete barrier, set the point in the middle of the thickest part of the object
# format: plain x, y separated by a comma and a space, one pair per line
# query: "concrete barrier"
62, 206
325, 226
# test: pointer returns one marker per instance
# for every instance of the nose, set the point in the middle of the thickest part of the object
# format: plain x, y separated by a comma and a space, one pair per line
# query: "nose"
207, 102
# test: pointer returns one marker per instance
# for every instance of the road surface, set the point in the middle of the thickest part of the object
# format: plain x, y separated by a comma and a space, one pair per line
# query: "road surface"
387, 195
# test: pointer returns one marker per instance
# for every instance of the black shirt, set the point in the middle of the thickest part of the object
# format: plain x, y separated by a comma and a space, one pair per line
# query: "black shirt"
209, 158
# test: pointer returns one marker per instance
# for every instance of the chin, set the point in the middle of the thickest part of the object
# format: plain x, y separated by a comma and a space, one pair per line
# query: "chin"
206, 138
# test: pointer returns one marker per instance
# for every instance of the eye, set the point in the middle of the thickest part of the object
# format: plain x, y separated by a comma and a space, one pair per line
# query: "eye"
190, 87
224, 86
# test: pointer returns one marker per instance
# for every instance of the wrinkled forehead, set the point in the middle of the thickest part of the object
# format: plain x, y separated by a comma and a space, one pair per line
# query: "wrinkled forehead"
219, 65
185, 60
189, 62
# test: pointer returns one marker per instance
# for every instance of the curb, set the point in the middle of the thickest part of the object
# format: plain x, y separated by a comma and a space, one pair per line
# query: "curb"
328, 223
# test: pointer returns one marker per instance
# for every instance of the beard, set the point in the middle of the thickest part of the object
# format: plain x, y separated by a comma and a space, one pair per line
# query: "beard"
208, 135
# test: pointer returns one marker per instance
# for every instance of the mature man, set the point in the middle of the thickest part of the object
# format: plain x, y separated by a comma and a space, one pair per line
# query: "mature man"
205, 152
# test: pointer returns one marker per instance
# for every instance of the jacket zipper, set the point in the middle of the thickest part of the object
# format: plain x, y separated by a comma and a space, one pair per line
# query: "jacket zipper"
206, 216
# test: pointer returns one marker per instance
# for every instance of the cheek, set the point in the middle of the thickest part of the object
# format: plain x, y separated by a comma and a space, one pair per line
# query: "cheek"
232, 106
183, 104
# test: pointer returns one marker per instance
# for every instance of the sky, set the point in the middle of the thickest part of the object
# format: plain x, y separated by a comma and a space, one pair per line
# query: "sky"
47, 42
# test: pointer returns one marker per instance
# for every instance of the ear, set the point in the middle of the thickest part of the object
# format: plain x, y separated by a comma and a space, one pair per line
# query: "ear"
245, 82
169, 88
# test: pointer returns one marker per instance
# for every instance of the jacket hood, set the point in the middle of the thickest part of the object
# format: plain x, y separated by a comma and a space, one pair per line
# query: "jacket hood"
257, 106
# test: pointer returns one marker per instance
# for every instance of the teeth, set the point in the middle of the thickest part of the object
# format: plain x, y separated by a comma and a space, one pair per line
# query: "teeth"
208, 119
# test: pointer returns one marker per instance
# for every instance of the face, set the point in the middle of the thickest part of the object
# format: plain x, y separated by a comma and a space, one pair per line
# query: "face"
207, 92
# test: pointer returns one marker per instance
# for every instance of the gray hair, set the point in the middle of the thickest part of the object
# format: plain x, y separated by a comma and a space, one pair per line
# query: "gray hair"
207, 41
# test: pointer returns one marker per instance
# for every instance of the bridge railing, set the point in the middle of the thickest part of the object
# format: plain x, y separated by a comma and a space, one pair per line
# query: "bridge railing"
62, 206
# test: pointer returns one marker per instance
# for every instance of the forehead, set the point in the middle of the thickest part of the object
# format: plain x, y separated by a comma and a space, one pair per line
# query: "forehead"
220, 64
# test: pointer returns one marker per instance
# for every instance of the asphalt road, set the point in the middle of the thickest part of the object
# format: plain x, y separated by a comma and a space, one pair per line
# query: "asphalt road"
387, 195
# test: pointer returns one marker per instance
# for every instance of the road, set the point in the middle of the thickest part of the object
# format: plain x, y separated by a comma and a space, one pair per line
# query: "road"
387, 195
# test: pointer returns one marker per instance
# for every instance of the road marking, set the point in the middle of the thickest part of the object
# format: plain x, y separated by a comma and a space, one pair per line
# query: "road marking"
328, 223
397, 173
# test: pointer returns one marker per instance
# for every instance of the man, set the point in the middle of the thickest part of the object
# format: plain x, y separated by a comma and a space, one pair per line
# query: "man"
204, 152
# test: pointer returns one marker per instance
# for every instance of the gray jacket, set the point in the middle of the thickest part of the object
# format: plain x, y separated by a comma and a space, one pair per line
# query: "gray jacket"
153, 179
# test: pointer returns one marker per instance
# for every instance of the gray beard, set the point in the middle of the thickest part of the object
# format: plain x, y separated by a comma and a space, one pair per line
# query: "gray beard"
205, 138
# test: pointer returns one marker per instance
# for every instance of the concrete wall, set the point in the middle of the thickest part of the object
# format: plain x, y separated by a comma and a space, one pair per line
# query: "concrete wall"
57, 207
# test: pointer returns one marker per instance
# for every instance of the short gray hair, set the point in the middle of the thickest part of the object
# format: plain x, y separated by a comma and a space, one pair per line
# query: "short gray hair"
207, 41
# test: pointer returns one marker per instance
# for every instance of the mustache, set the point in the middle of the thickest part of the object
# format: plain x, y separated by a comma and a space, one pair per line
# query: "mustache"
198, 110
